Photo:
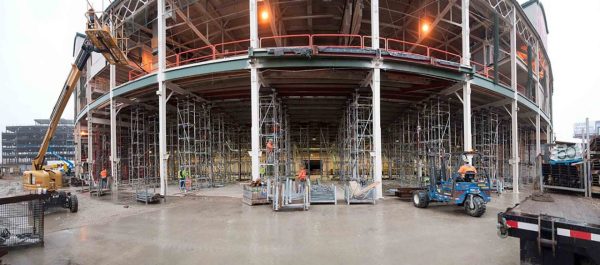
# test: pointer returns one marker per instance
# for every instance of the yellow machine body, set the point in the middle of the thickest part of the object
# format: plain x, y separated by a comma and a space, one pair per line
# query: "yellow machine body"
51, 180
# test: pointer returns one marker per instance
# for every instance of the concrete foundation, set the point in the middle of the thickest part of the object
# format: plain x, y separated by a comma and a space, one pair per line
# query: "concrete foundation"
221, 230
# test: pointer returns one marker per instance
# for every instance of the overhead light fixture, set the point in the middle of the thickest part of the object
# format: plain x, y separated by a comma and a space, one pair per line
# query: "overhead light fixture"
264, 15
425, 27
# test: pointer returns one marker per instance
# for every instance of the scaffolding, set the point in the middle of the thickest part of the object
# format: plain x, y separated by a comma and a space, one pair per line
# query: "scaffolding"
356, 141
143, 158
202, 142
276, 162
485, 140
356, 150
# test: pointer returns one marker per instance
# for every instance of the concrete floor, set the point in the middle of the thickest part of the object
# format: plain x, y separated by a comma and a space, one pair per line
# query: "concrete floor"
222, 230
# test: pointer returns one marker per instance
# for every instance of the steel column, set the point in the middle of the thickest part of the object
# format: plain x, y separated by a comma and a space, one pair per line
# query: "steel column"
376, 89
587, 170
514, 104
538, 135
162, 97
90, 158
254, 95
113, 128
466, 61
466, 48
254, 24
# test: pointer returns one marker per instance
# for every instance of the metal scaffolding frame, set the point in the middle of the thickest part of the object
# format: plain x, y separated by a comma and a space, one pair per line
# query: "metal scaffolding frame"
143, 158
485, 140
355, 140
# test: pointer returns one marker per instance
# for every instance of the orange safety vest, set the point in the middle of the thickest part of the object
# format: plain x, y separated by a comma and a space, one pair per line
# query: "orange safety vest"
104, 174
466, 168
302, 175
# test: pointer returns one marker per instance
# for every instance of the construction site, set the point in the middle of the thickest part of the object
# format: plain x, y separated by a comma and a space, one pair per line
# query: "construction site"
246, 116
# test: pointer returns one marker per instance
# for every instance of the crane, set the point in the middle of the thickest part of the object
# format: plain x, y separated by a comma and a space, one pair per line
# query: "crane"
98, 39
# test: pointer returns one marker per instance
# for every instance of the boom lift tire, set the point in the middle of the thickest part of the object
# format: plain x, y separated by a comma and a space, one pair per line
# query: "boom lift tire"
74, 204
478, 208
420, 199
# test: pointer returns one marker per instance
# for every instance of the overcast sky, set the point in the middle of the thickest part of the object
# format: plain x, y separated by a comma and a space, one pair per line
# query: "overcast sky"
36, 43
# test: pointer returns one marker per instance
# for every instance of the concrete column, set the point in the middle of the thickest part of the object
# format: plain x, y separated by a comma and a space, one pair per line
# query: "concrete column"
254, 95
376, 89
466, 61
162, 98
113, 130
514, 105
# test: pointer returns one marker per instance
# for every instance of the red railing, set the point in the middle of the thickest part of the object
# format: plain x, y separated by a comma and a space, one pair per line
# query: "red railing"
338, 40
297, 40
368, 42
233, 48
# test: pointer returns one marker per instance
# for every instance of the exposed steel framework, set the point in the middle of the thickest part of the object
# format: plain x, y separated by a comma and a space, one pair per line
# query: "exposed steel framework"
316, 56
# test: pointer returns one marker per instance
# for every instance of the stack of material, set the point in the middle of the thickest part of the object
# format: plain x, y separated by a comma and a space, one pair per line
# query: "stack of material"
291, 195
147, 197
595, 160
355, 193
22, 220
255, 194
562, 176
323, 194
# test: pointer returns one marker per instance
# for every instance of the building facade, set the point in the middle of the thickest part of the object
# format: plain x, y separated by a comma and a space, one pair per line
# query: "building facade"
579, 129
20, 144
351, 89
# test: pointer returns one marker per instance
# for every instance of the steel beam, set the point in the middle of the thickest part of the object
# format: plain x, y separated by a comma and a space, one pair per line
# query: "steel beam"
439, 18
186, 19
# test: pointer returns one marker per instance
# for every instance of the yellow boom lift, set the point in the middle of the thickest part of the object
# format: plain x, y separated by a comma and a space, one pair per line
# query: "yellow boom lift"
50, 182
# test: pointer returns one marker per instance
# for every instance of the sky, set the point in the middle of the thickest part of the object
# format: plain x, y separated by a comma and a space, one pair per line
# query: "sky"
36, 45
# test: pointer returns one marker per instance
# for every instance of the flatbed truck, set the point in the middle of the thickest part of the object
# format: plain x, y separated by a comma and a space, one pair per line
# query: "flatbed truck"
563, 231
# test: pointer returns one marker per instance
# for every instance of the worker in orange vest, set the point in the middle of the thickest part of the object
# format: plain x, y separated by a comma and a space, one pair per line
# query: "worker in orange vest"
104, 176
301, 174
467, 171
269, 150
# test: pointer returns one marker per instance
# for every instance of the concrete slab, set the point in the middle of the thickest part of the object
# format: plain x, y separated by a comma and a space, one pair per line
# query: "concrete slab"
222, 230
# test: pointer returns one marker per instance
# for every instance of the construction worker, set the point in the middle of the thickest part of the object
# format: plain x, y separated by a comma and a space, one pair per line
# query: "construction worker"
301, 174
269, 150
91, 17
467, 171
182, 177
262, 171
104, 178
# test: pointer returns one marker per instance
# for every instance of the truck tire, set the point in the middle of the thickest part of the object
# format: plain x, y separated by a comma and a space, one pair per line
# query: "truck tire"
478, 206
420, 199
74, 206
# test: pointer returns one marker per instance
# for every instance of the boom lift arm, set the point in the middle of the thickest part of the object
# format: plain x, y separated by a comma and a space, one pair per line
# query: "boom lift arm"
99, 40
86, 50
